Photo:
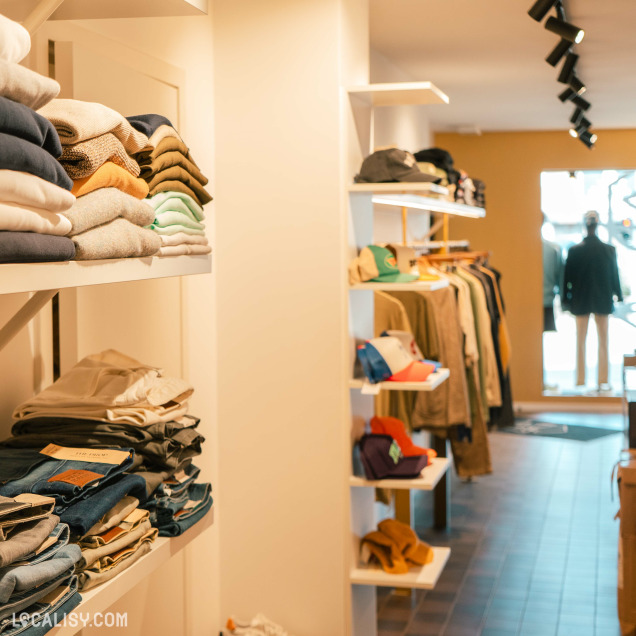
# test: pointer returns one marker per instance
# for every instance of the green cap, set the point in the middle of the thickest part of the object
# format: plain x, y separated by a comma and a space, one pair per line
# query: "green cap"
386, 265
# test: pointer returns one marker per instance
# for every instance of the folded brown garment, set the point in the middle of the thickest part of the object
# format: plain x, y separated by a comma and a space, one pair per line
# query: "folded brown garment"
178, 174
84, 158
167, 160
177, 186
116, 239
168, 144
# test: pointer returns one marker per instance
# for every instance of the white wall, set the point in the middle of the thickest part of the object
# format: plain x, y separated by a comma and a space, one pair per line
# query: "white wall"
280, 307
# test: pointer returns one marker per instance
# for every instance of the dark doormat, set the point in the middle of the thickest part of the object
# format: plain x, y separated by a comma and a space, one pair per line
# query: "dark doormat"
561, 431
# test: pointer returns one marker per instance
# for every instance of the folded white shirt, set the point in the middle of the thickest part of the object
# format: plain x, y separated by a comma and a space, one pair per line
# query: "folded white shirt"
20, 218
184, 248
181, 237
27, 189
15, 41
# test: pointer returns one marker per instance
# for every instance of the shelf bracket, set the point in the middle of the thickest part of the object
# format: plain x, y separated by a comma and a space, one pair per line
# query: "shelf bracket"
40, 14
24, 315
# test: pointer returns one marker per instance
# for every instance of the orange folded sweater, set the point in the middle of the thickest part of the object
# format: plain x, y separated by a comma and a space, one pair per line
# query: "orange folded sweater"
110, 175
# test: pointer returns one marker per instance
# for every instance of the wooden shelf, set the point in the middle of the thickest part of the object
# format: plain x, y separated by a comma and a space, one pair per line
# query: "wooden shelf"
399, 94
398, 188
430, 384
91, 9
429, 479
417, 285
99, 599
425, 577
27, 277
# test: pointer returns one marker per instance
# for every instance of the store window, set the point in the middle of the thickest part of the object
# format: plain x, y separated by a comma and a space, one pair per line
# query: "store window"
565, 199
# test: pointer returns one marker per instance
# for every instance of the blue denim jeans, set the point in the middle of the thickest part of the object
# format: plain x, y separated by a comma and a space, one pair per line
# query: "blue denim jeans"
85, 513
170, 515
38, 479
16, 463
23, 600
173, 486
17, 580
43, 616
60, 535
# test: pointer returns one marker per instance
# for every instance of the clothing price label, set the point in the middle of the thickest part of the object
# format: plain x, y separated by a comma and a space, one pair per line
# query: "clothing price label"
92, 455
76, 477
370, 389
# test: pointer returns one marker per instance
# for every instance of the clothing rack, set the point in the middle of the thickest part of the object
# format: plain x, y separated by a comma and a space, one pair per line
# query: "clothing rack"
457, 256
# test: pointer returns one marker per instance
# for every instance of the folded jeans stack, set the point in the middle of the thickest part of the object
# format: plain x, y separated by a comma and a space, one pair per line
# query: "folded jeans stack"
108, 401
114, 545
102, 153
177, 191
34, 189
38, 586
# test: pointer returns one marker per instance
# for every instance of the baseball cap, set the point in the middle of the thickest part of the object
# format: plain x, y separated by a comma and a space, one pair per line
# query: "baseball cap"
382, 458
385, 358
392, 165
377, 264
591, 217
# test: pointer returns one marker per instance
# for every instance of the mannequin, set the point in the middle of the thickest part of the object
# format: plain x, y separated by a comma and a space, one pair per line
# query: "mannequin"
590, 284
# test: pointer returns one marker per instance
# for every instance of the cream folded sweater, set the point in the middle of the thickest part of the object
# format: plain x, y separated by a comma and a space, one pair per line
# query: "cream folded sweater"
15, 41
25, 86
19, 218
27, 189
77, 121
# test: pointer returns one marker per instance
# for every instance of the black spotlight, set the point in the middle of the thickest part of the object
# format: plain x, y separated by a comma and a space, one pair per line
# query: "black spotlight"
577, 115
580, 102
540, 8
577, 85
567, 69
588, 138
558, 52
583, 125
568, 93
565, 29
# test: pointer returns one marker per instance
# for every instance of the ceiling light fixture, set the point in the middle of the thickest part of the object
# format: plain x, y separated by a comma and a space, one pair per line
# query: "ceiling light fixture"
568, 93
567, 70
580, 102
540, 8
576, 84
577, 115
573, 132
588, 138
558, 52
583, 125
565, 29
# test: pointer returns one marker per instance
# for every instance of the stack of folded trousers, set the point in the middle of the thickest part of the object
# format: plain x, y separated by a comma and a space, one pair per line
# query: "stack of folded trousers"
177, 191
34, 189
101, 153
111, 400
38, 587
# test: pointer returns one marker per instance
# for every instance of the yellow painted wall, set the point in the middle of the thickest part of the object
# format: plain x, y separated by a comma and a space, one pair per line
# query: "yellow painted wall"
511, 165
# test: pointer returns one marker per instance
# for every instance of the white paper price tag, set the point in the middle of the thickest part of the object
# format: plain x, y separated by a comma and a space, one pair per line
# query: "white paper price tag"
370, 389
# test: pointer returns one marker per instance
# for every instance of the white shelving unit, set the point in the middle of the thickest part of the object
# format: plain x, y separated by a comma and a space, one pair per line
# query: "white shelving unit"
418, 285
417, 197
100, 598
429, 478
84, 10
28, 277
44, 279
424, 577
430, 384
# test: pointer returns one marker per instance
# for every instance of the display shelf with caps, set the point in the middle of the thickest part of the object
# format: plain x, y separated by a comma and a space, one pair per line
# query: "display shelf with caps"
399, 94
429, 478
430, 384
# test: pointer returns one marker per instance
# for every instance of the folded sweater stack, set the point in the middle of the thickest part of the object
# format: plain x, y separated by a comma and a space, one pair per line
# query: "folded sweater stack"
102, 153
176, 188
34, 189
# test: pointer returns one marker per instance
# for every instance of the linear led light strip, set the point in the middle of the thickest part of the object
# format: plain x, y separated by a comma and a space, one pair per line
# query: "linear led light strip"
451, 208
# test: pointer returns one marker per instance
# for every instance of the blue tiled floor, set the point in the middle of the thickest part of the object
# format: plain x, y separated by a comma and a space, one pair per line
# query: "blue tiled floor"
533, 546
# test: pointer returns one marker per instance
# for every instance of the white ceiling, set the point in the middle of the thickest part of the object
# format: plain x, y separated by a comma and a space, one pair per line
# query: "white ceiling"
488, 57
